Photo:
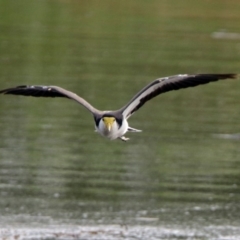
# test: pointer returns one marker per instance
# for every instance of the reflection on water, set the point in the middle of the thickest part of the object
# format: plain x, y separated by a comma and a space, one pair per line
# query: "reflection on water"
102, 232
178, 179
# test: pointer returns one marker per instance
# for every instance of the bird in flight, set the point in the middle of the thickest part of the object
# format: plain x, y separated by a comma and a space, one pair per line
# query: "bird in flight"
114, 124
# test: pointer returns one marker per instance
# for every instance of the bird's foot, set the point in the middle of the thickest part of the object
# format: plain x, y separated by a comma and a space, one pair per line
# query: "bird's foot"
124, 139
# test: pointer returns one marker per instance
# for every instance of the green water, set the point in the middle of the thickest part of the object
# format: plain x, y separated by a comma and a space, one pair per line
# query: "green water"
178, 179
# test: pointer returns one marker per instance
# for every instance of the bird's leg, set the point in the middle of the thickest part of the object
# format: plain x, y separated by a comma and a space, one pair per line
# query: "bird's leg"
124, 139
130, 129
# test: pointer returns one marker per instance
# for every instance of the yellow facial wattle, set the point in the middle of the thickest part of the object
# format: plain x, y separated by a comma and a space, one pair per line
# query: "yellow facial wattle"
108, 121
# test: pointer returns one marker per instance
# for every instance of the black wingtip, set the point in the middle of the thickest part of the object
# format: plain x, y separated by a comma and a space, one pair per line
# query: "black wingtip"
34, 91
221, 75
230, 75
8, 90
235, 75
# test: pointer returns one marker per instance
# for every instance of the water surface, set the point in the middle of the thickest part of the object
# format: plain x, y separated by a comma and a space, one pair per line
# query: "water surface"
178, 179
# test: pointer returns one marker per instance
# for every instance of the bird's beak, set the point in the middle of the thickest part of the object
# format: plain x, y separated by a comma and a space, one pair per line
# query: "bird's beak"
109, 126
108, 121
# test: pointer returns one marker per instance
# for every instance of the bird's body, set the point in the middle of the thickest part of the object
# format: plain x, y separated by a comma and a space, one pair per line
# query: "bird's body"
114, 124
111, 128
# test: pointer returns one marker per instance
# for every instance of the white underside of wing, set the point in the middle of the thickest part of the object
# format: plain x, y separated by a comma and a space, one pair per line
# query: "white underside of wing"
158, 83
136, 101
77, 98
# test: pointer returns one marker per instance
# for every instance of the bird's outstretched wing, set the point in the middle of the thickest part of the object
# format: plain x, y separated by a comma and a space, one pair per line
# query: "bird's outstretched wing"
162, 85
48, 91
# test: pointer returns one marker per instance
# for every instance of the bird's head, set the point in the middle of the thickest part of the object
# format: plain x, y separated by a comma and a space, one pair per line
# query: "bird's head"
108, 122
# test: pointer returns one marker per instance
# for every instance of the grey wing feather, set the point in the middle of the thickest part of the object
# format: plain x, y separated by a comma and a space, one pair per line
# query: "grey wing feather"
166, 84
48, 91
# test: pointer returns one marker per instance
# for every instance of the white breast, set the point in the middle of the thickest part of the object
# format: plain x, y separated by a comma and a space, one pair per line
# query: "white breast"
115, 132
